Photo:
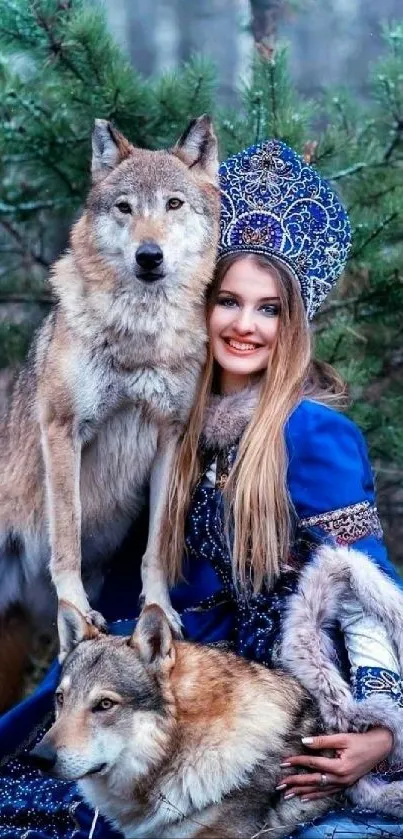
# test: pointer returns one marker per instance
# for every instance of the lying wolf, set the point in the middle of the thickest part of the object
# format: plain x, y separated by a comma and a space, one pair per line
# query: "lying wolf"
172, 739
112, 375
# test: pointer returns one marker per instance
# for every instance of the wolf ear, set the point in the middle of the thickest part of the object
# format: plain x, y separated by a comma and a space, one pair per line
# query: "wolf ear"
152, 638
72, 628
109, 148
198, 148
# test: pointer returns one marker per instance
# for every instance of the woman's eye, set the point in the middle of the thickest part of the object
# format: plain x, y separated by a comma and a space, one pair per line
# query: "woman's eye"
271, 309
174, 204
226, 301
104, 704
123, 207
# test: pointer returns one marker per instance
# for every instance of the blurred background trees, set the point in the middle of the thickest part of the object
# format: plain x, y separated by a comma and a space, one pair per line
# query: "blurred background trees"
61, 66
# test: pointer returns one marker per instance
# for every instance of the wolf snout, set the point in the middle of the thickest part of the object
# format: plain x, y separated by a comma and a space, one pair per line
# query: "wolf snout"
149, 259
43, 757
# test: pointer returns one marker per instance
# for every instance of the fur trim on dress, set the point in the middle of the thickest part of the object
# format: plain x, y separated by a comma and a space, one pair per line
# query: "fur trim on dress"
226, 417
333, 576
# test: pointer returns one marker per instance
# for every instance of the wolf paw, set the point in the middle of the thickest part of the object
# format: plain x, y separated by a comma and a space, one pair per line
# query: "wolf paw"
95, 618
175, 622
75, 626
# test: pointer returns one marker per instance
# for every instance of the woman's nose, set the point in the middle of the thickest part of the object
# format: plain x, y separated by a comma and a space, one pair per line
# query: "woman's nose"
243, 321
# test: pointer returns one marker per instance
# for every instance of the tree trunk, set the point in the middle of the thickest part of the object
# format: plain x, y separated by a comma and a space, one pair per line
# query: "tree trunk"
266, 15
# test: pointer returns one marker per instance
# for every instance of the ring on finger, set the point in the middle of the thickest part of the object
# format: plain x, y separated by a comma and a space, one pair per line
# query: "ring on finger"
323, 780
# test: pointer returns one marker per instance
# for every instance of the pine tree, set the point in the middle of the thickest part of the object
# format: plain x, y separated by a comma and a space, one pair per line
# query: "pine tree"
60, 69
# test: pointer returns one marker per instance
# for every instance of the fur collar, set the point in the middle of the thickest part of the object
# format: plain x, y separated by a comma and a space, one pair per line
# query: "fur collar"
226, 417
334, 575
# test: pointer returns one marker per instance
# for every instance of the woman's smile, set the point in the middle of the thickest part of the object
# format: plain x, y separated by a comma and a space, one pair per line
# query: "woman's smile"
240, 347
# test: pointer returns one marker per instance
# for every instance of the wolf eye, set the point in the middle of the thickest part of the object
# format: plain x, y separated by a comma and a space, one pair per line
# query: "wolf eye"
59, 699
123, 207
174, 203
104, 704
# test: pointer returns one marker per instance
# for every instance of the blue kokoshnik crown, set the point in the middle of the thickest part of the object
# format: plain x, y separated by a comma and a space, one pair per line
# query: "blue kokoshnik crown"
274, 203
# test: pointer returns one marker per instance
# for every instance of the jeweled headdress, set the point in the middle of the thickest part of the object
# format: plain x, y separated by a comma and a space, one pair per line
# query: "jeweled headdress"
274, 203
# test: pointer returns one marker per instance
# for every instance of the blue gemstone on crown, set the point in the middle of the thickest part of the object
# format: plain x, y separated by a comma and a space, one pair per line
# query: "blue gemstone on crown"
276, 204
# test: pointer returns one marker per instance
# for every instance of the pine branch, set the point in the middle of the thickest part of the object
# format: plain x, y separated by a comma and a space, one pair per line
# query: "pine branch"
375, 234
29, 299
351, 170
18, 237
33, 206
396, 140
374, 196
344, 303
91, 62
56, 47
273, 98
343, 115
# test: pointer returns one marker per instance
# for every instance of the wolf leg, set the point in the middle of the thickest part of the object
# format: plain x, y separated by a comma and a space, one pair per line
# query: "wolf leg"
62, 455
242, 817
155, 585
289, 814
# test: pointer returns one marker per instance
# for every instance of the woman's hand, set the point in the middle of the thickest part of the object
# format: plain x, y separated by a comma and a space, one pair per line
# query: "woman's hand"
355, 755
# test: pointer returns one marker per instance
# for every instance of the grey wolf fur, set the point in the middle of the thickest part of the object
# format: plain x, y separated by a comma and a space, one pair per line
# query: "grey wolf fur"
334, 576
111, 377
172, 739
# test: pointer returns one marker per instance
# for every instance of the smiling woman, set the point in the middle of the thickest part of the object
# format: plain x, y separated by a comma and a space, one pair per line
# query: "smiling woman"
269, 472
244, 320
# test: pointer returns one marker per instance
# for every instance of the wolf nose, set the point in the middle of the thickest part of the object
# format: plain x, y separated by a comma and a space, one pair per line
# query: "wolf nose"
149, 256
43, 757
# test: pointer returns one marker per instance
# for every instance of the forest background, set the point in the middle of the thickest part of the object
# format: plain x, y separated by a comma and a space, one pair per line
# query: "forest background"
334, 92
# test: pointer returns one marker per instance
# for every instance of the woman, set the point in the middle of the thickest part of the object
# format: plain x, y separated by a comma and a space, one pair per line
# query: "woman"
268, 470
265, 472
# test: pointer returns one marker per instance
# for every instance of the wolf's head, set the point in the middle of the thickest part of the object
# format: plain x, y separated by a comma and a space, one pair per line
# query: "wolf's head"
151, 221
113, 702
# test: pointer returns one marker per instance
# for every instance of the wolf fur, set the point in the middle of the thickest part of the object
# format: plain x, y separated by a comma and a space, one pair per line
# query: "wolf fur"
172, 739
112, 374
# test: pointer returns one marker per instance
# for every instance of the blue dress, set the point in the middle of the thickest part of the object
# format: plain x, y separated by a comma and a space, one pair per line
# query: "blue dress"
331, 486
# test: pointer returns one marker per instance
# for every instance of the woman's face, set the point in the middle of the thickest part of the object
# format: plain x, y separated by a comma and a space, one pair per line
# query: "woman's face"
244, 323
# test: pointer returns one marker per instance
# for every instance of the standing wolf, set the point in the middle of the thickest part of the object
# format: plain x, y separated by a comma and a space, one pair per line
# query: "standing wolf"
112, 375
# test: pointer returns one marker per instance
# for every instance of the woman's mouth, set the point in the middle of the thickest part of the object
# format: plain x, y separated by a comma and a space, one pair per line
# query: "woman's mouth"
241, 347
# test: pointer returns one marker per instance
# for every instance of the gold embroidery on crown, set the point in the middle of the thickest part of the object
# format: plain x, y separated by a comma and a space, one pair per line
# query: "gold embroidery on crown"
268, 159
348, 524
255, 237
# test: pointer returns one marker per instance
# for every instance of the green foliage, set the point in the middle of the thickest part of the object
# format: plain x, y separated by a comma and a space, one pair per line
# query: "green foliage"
361, 150
14, 343
60, 68
270, 107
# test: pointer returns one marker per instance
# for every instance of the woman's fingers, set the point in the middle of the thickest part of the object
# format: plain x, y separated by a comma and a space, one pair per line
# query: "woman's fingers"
318, 764
307, 780
326, 741
306, 793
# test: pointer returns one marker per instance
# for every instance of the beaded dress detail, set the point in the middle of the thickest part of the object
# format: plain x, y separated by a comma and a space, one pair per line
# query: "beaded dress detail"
256, 624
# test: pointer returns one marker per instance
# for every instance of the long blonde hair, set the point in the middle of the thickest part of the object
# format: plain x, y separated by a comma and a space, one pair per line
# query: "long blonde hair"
256, 496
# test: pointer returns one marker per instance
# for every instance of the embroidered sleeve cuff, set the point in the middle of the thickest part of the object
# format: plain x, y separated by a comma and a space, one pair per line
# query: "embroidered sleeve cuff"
377, 681
348, 524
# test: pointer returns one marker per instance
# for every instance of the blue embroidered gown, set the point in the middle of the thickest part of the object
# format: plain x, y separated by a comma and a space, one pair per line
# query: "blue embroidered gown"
331, 487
